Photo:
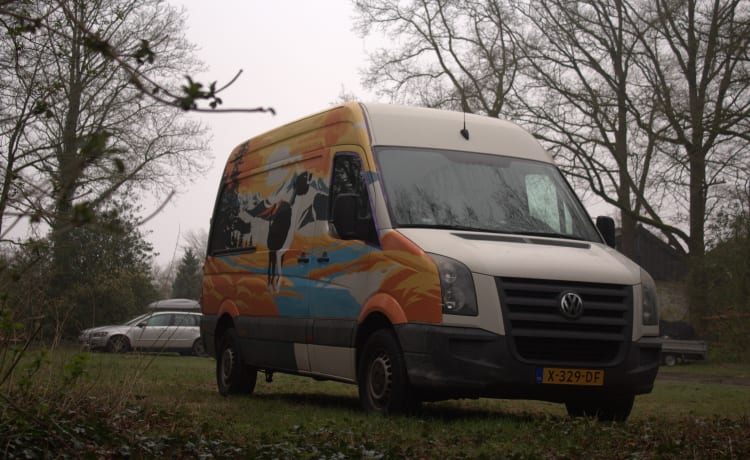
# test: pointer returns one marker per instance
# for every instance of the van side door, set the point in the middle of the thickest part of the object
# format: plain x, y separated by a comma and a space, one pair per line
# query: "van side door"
260, 256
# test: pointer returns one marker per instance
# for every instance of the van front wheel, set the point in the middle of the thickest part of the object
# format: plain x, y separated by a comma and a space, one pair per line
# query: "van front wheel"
381, 376
233, 375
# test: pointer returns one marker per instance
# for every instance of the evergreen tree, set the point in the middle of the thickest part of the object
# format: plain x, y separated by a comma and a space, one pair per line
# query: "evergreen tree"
109, 278
187, 283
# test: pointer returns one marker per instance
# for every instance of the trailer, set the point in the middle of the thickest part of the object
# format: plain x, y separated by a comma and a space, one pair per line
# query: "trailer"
675, 351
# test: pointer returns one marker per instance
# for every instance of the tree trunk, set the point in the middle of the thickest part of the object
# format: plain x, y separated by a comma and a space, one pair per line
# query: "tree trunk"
69, 170
699, 303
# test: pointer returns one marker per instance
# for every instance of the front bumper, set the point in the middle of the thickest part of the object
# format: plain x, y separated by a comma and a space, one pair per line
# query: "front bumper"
452, 362
92, 343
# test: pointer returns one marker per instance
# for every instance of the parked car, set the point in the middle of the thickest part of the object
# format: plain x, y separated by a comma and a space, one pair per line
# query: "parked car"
175, 331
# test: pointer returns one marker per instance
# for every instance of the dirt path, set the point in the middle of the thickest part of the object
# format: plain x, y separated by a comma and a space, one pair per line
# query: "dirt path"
700, 378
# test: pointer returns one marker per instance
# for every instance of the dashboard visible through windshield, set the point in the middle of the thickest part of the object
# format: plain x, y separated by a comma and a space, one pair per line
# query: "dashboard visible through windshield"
480, 192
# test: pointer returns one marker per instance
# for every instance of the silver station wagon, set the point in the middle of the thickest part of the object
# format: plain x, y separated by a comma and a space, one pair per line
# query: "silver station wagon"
168, 331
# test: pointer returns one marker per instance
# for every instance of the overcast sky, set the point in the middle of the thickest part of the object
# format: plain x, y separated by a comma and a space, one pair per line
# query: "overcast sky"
296, 56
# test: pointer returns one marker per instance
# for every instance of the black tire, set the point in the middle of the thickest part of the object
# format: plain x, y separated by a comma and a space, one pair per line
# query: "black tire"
118, 344
198, 348
233, 375
670, 360
381, 376
604, 409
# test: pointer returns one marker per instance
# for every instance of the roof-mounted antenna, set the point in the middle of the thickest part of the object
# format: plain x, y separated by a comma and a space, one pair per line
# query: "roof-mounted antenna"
465, 132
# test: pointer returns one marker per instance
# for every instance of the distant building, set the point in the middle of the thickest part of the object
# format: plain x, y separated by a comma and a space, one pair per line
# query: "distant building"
668, 267
660, 260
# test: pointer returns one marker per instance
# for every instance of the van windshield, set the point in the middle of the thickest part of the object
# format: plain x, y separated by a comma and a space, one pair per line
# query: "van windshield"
472, 191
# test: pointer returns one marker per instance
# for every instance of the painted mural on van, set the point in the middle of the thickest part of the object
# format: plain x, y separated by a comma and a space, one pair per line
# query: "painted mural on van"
272, 222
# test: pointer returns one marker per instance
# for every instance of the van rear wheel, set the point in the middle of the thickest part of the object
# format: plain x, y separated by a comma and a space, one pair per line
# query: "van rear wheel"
382, 379
233, 375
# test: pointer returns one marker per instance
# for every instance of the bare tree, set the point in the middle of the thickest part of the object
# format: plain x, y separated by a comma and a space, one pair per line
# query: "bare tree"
635, 98
453, 54
99, 137
578, 98
699, 68
697, 63
86, 57
24, 17
197, 242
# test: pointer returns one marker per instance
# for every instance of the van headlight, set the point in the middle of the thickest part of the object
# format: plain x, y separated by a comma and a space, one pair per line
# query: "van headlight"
456, 286
650, 308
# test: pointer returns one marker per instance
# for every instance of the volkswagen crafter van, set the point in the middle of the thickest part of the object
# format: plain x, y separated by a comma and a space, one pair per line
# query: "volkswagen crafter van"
421, 255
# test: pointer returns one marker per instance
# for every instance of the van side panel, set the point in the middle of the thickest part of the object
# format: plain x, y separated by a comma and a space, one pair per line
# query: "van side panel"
299, 291
415, 283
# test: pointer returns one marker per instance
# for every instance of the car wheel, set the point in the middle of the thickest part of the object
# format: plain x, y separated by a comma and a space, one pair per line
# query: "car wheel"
233, 375
118, 344
382, 379
604, 409
198, 348
670, 360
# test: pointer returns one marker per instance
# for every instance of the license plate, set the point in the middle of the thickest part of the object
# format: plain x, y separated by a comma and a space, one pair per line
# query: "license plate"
567, 376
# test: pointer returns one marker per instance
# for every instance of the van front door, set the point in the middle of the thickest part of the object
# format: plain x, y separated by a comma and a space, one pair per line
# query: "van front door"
340, 270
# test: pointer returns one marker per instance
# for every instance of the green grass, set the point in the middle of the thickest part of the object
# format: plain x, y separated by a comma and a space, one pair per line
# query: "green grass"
154, 406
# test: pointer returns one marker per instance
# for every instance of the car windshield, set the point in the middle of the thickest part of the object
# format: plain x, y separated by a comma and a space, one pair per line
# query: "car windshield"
480, 192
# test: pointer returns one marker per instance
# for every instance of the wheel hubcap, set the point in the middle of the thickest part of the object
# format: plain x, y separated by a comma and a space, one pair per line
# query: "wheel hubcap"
380, 379
227, 364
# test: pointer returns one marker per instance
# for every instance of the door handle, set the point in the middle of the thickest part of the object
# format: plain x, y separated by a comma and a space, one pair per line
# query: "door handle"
324, 259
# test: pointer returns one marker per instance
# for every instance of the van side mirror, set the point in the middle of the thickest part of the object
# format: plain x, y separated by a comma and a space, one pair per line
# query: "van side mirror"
344, 215
606, 226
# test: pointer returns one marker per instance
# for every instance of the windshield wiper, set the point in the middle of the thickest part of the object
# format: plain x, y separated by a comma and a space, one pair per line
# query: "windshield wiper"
549, 235
446, 227
487, 230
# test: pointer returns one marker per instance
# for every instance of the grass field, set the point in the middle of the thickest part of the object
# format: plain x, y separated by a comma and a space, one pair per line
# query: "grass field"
148, 406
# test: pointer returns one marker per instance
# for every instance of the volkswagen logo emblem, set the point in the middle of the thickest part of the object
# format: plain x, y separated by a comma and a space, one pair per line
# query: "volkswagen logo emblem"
571, 305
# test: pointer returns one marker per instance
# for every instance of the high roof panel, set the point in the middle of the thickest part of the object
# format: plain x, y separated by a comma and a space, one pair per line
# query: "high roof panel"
394, 125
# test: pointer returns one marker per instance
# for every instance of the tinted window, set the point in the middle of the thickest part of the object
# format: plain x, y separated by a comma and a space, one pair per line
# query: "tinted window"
159, 320
348, 178
185, 320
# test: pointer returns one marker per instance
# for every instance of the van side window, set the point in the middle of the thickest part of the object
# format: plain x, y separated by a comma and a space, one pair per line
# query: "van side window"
226, 221
348, 178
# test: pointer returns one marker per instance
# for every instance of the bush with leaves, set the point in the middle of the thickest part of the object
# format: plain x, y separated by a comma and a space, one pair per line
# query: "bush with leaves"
727, 319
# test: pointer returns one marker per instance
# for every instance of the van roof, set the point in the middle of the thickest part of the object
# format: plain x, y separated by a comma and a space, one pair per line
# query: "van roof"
395, 125
405, 126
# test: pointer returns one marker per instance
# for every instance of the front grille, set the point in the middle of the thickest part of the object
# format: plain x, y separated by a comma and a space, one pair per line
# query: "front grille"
539, 333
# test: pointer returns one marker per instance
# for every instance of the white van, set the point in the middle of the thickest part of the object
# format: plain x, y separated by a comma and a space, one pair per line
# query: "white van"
422, 255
